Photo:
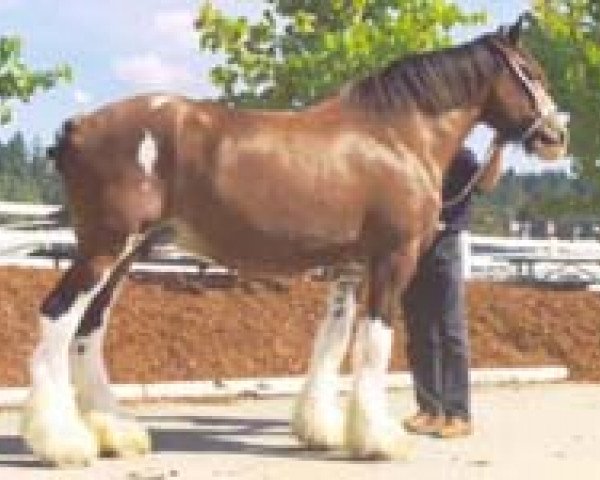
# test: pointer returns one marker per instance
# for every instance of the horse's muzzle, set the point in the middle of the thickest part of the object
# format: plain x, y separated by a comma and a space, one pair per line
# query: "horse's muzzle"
550, 139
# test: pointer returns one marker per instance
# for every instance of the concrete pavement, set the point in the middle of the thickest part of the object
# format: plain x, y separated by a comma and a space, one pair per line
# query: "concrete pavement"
526, 432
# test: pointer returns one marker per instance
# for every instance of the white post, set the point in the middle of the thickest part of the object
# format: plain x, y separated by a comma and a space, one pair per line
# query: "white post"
465, 254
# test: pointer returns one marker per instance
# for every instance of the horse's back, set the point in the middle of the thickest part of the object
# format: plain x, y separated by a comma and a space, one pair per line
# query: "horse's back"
250, 186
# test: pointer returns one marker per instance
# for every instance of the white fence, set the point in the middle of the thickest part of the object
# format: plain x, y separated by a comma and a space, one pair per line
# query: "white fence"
27, 209
29, 232
493, 258
506, 258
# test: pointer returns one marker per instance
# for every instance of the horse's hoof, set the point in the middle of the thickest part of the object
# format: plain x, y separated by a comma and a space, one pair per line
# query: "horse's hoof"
59, 438
386, 446
374, 436
118, 436
318, 424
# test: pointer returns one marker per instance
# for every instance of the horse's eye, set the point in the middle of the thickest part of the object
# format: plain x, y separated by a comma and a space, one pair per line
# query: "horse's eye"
529, 75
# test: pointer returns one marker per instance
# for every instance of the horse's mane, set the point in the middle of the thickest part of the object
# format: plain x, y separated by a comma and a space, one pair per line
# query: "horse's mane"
433, 81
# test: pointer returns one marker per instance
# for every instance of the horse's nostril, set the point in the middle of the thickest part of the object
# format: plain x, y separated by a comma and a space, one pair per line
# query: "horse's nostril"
563, 136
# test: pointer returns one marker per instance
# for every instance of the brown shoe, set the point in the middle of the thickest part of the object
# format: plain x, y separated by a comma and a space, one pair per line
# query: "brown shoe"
423, 423
455, 427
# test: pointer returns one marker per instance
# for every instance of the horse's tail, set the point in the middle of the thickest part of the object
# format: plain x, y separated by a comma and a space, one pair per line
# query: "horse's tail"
64, 141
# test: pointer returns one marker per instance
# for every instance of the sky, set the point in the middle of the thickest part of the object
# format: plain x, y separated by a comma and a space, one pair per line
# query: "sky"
121, 47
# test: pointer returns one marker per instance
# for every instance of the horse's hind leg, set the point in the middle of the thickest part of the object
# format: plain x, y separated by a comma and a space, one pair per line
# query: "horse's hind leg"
318, 420
51, 423
117, 433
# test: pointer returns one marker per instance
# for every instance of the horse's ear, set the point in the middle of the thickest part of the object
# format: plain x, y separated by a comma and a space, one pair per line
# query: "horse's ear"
515, 31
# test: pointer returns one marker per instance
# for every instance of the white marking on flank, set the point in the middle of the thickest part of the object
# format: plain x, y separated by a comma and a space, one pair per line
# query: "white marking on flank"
147, 153
159, 101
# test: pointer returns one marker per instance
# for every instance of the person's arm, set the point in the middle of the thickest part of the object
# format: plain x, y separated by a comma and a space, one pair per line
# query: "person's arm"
493, 170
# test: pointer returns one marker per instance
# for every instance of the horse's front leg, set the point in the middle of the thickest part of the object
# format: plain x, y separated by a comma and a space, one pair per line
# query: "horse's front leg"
318, 420
370, 431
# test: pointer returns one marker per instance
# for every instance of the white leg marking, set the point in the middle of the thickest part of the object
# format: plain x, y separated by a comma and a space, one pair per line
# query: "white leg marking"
147, 153
51, 423
117, 433
318, 420
89, 374
370, 432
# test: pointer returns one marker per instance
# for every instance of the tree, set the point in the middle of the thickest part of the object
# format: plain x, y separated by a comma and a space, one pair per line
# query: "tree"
566, 38
26, 174
15, 154
18, 81
302, 50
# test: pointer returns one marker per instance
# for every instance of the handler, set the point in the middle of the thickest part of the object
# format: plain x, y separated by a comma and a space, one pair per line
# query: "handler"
434, 307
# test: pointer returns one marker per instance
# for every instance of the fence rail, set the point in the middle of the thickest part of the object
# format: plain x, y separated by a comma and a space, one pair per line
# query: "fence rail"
27, 209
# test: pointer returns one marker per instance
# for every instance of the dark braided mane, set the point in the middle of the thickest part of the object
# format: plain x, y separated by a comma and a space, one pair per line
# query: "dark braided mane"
433, 82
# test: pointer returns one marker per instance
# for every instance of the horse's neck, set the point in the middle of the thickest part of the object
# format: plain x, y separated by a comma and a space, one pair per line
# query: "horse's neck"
434, 139
450, 130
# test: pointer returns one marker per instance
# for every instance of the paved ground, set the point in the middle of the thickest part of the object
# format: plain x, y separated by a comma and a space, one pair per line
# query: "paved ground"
533, 432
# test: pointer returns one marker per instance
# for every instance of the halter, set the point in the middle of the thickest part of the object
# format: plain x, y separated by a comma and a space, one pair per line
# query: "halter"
546, 112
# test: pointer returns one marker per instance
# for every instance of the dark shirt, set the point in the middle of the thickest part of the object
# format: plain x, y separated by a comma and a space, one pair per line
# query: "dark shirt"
464, 166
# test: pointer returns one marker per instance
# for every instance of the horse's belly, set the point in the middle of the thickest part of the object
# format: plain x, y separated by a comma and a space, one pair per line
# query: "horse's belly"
255, 252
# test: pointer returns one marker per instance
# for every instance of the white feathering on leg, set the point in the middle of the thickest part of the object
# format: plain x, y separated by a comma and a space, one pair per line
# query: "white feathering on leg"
370, 431
89, 373
51, 423
318, 420
117, 433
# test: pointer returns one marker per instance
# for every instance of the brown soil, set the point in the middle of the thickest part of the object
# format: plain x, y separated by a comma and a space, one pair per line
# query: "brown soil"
169, 331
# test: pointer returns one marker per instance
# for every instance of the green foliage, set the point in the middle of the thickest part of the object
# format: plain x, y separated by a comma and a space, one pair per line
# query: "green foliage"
26, 174
18, 81
553, 195
567, 41
301, 50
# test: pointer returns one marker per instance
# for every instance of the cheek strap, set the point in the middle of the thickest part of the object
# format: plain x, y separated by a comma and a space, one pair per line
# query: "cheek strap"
545, 108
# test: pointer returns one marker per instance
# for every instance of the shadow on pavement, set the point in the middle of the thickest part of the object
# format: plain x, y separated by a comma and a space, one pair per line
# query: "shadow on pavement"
197, 441
223, 435
12, 446
234, 425
194, 435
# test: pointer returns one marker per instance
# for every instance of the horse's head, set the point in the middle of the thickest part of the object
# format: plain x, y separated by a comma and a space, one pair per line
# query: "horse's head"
519, 106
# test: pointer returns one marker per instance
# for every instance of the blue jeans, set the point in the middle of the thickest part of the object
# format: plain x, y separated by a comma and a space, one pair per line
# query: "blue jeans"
436, 324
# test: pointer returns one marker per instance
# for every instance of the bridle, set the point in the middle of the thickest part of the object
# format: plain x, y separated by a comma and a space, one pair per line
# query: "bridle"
546, 110
546, 113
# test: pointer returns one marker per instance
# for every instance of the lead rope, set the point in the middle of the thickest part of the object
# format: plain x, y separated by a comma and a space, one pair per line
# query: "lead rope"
473, 181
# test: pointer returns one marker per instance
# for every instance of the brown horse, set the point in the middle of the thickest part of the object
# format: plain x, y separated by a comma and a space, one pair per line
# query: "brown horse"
356, 178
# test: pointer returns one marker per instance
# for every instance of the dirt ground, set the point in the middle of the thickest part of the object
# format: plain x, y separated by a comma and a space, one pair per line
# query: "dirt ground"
174, 330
